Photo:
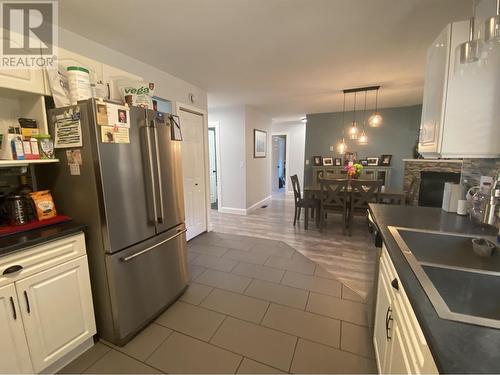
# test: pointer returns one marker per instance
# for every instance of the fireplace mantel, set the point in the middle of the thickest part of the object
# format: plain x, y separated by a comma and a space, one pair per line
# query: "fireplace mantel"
434, 160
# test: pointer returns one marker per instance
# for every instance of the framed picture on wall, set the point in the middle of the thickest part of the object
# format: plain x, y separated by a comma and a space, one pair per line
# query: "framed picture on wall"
327, 161
386, 160
259, 143
363, 162
337, 162
372, 161
317, 161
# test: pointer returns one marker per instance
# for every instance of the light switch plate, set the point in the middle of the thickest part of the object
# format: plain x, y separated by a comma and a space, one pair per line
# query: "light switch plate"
307, 162
331, 148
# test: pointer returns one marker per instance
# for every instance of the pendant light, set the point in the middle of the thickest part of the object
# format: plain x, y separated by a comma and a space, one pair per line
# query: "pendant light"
353, 130
342, 146
363, 139
492, 27
470, 51
375, 119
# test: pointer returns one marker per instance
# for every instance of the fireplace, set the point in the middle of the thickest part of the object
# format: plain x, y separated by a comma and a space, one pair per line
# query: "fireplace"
432, 187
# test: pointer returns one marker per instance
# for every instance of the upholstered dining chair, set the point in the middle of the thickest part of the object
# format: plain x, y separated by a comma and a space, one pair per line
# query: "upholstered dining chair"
363, 192
301, 202
333, 198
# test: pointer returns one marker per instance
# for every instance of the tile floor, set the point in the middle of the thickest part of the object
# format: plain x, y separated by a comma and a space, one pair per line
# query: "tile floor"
254, 306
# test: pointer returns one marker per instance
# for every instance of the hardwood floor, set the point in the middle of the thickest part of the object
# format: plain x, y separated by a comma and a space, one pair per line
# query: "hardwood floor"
351, 259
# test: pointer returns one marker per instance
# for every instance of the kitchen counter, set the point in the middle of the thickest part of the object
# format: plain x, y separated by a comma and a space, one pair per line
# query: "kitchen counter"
34, 237
456, 347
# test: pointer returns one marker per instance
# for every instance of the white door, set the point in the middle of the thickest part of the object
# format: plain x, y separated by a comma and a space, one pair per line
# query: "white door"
212, 156
57, 311
14, 354
193, 168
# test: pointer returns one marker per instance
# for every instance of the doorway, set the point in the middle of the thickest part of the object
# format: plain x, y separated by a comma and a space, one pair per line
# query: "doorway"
212, 157
193, 167
279, 173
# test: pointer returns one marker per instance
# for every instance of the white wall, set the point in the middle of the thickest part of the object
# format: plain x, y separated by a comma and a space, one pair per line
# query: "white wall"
296, 134
166, 85
258, 170
232, 176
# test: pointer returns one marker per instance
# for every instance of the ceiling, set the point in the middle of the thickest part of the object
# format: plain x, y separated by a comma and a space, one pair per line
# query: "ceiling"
283, 57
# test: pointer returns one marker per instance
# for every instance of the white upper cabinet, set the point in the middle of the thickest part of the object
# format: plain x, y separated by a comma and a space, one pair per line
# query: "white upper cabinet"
112, 76
460, 113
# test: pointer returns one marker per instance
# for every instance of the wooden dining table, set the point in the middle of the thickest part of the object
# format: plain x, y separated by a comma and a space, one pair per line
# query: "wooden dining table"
387, 195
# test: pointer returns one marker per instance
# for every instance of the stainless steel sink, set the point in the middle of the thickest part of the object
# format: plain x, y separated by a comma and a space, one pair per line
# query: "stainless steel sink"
461, 285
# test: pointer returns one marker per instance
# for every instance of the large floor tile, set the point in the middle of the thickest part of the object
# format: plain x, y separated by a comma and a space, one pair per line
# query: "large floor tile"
208, 249
246, 256
86, 360
195, 293
282, 294
195, 271
183, 354
237, 244
237, 305
279, 249
258, 271
297, 265
351, 295
114, 362
142, 345
357, 339
312, 283
316, 358
256, 342
191, 320
338, 308
249, 366
215, 263
303, 324
224, 280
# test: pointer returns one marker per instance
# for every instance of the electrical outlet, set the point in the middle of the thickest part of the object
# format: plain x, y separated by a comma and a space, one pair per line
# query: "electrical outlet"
307, 162
331, 148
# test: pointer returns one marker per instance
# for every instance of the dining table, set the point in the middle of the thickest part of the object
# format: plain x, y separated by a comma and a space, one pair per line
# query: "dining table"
388, 195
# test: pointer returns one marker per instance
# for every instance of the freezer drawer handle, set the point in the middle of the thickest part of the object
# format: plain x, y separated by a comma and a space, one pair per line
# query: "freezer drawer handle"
130, 257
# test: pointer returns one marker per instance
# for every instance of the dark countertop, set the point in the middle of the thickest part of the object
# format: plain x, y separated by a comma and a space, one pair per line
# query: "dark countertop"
15, 242
456, 347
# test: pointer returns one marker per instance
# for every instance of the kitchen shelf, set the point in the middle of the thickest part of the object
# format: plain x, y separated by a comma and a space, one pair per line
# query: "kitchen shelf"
21, 163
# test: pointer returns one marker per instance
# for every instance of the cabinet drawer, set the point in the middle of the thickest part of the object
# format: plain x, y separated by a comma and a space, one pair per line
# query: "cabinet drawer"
39, 258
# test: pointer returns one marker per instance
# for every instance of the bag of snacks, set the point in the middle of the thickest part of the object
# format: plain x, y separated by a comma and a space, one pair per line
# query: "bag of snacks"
137, 93
44, 204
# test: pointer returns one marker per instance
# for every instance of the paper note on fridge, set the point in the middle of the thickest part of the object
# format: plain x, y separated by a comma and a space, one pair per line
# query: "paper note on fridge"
112, 115
68, 131
114, 134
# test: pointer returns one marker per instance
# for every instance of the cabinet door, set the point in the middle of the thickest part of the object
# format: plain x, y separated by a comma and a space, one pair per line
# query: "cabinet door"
436, 77
382, 314
398, 362
14, 354
112, 76
57, 311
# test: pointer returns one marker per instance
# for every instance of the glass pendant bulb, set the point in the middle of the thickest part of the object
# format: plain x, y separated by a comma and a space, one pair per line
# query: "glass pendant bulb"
353, 131
363, 139
375, 120
342, 147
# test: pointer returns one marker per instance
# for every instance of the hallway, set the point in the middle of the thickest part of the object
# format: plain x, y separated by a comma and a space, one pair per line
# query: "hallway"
350, 259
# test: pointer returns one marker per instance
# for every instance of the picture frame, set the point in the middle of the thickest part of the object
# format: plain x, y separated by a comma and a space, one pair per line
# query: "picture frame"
372, 161
385, 160
259, 143
337, 162
327, 161
363, 162
317, 161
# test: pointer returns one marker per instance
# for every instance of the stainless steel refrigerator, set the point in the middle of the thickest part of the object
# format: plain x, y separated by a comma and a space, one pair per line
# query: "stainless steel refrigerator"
130, 196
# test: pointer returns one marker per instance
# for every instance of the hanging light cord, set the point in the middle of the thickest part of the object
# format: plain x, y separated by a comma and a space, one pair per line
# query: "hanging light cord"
354, 112
376, 101
364, 112
343, 118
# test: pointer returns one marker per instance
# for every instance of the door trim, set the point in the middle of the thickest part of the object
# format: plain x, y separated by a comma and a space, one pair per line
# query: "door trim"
216, 126
287, 159
201, 112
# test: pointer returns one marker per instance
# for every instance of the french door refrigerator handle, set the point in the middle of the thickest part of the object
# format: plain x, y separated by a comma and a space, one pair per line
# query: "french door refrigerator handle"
139, 253
151, 171
161, 218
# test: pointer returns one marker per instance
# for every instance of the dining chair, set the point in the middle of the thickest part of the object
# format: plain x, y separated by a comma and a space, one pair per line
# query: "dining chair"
301, 202
411, 192
363, 192
333, 198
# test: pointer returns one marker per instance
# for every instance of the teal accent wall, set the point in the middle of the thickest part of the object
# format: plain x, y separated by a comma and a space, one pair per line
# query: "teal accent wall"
397, 136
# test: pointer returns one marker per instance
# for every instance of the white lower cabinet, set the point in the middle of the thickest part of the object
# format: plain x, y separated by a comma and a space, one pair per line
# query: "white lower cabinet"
48, 315
400, 346
14, 354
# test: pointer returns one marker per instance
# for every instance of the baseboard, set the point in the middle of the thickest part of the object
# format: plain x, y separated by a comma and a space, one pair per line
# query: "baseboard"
69, 357
234, 211
289, 192
258, 204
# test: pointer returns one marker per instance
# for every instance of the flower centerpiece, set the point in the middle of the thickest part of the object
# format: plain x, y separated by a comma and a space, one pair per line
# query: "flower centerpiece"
354, 170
